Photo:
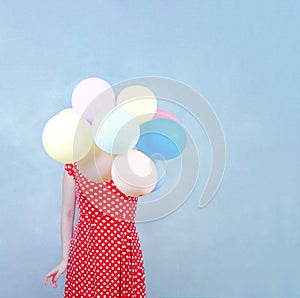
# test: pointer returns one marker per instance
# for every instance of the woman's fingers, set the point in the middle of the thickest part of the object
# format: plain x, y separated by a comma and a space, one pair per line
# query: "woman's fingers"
51, 278
56, 277
52, 282
51, 275
46, 280
48, 275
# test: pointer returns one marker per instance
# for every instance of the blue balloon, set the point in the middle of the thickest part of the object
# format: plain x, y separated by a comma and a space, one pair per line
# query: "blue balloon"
161, 138
161, 170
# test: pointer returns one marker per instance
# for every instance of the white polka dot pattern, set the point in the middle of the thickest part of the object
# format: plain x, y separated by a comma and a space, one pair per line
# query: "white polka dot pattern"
105, 257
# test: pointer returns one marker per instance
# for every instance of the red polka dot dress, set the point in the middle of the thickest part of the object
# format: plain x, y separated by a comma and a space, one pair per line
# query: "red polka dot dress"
105, 258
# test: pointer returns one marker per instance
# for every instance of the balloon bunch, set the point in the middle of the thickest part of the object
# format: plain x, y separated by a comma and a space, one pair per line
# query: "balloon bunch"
123, 137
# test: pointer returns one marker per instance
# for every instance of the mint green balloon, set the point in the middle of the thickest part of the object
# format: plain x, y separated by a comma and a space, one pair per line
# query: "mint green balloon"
115, 130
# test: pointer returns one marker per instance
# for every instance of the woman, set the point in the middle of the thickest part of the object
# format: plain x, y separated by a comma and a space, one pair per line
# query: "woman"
102, 256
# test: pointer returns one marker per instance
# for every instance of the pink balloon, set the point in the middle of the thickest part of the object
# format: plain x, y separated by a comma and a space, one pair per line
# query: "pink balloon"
165, 114
134, 173
91, 96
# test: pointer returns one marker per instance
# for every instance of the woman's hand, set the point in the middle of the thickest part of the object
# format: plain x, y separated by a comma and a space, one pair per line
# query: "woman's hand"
55, 273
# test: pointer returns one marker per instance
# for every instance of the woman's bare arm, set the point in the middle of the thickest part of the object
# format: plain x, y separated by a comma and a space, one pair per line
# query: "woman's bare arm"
67, 214
66, 228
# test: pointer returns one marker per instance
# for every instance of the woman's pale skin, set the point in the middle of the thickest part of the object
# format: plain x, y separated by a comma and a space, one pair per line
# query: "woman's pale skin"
66, 228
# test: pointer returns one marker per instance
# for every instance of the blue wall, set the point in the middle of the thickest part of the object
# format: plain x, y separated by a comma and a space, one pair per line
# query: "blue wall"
242, 56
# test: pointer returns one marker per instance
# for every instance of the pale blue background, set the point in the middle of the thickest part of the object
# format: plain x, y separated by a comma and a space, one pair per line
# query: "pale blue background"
242, 56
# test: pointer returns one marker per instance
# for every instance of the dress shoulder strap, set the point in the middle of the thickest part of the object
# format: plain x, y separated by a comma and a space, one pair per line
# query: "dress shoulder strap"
70, 169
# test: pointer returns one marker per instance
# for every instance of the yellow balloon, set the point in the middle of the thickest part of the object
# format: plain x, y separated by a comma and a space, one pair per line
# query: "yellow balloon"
138, 100
68, 110
134, 173
67, 137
